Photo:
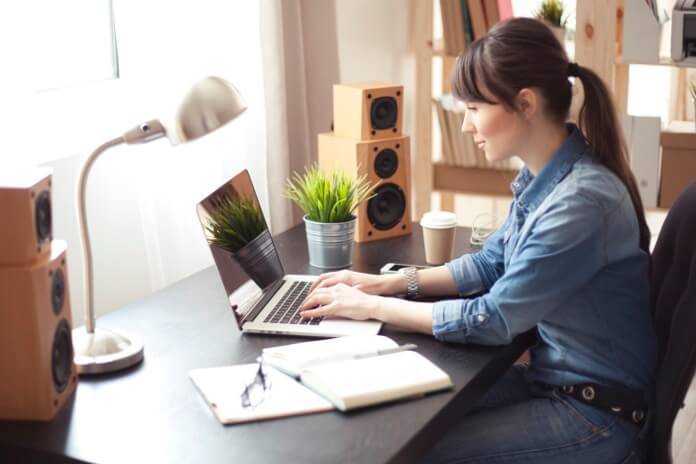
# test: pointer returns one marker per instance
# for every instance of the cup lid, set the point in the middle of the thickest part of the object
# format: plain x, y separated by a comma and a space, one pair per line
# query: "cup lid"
439, 220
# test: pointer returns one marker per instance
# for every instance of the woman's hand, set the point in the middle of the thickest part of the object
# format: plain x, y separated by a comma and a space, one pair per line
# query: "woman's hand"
371, 284
340, 300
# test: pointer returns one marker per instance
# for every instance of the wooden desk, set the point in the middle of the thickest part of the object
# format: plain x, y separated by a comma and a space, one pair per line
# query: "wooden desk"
153, 413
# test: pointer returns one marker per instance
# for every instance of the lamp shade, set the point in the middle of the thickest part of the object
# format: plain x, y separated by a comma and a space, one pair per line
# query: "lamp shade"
212, 102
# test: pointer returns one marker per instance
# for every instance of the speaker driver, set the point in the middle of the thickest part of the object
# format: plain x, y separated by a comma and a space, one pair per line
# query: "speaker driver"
383, 113
62, 356
43, 216
386, 163
386, 208
58, 290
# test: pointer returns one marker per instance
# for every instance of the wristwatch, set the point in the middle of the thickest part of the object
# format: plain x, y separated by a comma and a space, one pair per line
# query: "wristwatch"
411, 282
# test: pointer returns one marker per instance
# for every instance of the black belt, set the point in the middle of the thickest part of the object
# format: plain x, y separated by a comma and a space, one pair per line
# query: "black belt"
620, 401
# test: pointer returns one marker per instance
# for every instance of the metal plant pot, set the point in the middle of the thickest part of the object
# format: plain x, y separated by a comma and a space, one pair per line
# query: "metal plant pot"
260, 261
330, 244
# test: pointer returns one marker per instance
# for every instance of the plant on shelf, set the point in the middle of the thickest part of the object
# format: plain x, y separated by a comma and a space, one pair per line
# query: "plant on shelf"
328, 202
551, 12
234, 222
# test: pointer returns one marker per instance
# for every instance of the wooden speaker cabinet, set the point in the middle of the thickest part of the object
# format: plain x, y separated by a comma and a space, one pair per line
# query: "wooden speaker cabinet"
36, 352
25, 201
388, 214
367, 110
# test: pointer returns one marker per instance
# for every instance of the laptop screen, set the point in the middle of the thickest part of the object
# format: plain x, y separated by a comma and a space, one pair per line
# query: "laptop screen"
240, 242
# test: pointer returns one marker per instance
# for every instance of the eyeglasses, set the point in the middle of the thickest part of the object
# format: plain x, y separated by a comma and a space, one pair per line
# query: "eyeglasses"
255, 392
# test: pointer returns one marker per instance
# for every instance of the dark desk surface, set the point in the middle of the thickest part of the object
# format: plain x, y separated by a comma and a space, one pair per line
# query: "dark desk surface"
153, 412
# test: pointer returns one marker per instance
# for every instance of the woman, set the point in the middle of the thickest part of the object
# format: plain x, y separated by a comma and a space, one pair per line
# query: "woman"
571, 260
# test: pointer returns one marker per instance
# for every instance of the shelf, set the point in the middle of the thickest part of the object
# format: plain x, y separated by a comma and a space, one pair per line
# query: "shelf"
479, 181
438, 48
661, 61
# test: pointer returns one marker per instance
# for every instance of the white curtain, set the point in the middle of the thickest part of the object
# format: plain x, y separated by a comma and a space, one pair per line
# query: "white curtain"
300, 64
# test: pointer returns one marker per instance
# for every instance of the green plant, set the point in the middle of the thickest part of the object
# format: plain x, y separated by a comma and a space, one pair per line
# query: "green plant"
552, 11
234, 222
325, 198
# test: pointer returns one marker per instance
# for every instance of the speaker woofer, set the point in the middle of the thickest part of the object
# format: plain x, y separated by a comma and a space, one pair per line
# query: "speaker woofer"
62, 356
58, 290
43, 216
387, 207
386, 163
383, 113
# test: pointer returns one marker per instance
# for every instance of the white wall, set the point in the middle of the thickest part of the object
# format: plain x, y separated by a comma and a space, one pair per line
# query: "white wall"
141, 198
374, 44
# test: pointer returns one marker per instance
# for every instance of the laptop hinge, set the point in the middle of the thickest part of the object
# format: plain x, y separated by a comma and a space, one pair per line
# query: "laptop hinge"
268, 293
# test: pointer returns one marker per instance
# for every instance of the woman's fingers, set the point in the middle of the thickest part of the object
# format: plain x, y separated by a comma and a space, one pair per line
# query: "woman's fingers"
319, 297
320, 311
321, 280
330, 282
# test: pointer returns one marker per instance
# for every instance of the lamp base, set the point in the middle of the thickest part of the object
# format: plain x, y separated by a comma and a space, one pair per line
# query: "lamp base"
104, 351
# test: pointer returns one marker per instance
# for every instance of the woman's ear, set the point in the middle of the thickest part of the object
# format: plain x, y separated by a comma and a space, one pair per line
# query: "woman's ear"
527, 102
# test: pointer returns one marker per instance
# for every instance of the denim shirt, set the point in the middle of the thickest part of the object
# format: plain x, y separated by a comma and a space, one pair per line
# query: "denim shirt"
567, 261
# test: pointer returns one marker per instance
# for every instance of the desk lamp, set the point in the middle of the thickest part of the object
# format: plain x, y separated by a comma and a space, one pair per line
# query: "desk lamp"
211, 103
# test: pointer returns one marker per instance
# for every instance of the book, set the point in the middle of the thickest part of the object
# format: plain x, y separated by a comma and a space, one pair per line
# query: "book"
642, 134
350, 373
477, 17
339, 373
447, 155
466, 21
490, 11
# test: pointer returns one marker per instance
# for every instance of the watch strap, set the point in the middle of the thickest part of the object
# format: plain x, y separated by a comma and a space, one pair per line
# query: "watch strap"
411, 274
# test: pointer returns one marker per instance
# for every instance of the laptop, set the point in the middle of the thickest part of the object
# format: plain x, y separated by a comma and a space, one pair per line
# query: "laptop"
263, 298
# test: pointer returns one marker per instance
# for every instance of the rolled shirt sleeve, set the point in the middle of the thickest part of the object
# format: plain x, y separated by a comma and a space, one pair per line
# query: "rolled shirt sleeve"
479, 271
563, 251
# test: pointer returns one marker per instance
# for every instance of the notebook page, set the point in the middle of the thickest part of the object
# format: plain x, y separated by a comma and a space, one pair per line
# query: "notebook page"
221, 387
292, 359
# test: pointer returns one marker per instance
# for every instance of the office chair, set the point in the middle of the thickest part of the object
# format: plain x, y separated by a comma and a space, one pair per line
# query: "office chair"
673, 295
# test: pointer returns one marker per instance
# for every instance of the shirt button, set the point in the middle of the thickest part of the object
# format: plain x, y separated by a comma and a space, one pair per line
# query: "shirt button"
520, 204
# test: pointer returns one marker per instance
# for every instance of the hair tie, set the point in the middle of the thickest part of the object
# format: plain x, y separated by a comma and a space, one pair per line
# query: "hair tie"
573, 69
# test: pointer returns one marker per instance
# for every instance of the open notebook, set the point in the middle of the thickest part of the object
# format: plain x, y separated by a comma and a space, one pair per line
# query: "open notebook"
316, 376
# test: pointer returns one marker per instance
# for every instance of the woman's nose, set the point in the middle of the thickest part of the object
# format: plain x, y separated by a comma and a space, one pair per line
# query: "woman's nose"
467, 125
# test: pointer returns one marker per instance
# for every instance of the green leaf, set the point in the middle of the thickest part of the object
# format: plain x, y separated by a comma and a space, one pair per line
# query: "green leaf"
327, 198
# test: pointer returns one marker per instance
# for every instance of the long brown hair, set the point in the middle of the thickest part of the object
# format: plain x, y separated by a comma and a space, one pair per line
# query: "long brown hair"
523, 53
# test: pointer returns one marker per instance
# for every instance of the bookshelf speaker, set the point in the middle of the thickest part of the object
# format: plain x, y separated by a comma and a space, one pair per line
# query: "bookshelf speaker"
388, 213
36, 351
25, 200
367, 111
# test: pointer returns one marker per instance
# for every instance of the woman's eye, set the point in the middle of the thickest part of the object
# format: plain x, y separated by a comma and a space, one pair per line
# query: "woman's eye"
471, 108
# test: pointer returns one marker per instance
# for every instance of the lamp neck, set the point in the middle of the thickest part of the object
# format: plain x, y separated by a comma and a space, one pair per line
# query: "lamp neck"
84, 232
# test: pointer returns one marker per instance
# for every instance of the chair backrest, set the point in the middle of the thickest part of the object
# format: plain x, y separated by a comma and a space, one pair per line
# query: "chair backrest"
673, 288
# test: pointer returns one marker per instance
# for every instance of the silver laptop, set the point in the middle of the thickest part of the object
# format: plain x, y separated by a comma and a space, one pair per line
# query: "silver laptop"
263, 298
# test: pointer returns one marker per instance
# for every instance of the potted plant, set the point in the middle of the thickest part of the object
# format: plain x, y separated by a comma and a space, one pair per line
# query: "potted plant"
237, 226
551, 12
328, 202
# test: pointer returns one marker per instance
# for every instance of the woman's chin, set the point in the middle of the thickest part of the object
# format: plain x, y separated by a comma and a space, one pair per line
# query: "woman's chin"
492, 157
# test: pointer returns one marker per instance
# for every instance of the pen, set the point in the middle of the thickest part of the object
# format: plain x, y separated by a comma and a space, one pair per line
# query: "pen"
396, 349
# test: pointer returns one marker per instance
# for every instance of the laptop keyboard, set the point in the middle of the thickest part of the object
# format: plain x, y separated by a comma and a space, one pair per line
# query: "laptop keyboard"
287, 310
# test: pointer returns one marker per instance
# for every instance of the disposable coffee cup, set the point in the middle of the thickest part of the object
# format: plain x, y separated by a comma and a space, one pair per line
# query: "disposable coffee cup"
438, 236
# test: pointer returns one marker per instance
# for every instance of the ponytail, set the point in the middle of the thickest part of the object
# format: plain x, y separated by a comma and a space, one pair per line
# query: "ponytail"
523, 53
598, 122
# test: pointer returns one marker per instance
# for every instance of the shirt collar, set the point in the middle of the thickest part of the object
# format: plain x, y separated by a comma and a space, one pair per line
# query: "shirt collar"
530, 191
